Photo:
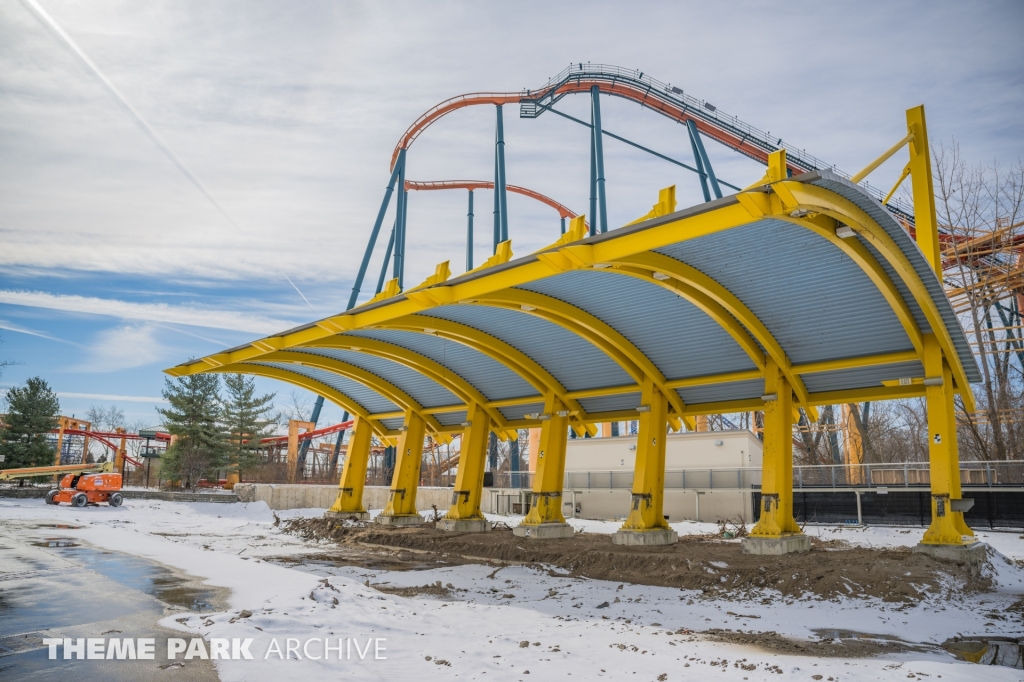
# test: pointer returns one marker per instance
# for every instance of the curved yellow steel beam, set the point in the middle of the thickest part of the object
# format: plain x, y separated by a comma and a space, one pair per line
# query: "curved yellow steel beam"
798, 196
581, 323
688, 275
496, 349
358, 374
431, 369
311, 385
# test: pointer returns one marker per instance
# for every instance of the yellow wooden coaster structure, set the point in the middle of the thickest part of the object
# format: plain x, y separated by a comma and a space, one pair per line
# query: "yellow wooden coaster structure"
679, 314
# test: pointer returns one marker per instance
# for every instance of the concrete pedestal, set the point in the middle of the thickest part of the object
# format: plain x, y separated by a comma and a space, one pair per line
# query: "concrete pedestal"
339, 516
544, 531
404, 520
661, 536
464, 525
787, 544
972, 555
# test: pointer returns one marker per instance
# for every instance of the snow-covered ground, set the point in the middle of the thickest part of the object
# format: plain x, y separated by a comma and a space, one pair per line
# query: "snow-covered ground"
513, 623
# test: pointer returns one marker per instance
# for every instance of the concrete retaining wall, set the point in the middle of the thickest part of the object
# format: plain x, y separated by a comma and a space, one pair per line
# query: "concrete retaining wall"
680, 505
289, 496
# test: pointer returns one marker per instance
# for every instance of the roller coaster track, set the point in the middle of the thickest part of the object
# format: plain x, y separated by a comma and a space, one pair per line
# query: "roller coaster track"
563, 211
664, 98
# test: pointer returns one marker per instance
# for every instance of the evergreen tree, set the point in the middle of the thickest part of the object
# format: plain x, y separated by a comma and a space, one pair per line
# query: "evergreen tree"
248, 419
193, 418
32, 412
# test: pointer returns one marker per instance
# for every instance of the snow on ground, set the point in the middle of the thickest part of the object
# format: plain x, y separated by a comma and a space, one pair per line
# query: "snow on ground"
479, 631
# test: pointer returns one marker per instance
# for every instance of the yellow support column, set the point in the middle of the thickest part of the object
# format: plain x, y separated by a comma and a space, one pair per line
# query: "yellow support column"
925, 223
646, 523
545, 519
464, 515
353, 475
948, 533
776, 532
401, 506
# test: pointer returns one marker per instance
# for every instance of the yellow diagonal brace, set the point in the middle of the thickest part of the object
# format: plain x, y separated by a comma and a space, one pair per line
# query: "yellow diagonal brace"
431, 369
494, 348
312, 385
813, 198
687, 274
357, 374
583, 324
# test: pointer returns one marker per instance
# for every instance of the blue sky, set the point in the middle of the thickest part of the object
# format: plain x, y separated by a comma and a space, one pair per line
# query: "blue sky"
114, 264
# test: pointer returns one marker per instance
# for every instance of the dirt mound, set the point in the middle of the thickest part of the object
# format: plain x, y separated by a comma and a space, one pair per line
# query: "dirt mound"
716, 568
829, 647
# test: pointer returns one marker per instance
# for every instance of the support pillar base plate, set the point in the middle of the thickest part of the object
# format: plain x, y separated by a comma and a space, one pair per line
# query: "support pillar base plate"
787, 544
464, 525
355, 516
544, 531
403, 520
973, 554
658, 536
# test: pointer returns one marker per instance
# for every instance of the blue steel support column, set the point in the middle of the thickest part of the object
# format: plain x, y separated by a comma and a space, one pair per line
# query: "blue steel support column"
593, 184
469, 234
499, 187
403, 196
700, 164
337, 446
595, 100
387, 259
304, 448
497, 207
376, 230
563, 225
703, 162
513, 461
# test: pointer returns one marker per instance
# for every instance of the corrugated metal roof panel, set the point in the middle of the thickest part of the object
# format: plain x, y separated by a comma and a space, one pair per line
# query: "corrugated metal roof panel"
420, 388
490, 377
735, 390
450, 418
520, 411
611, 403
861, 377
677, 336
879, 214
575, 363
393, 424
367, 398
803, 289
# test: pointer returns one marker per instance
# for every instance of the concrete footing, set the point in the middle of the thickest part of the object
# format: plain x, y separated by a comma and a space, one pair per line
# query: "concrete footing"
660, 536
464, 525
356, 516
404, 520
972, 555
544, 531
787, 544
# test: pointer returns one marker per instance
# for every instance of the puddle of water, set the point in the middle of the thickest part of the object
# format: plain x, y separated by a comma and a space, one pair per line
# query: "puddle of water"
832, 633
145, 576
63, 526
55, 542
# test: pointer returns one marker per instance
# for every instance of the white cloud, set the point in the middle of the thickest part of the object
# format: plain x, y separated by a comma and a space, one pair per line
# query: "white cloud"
235, 320
112, 398
123, 348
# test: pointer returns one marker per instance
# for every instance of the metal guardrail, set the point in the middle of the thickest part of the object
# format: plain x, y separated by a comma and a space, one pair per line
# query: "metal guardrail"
884, 475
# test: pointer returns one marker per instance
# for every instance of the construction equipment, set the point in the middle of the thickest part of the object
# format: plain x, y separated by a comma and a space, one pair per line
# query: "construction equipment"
81, 489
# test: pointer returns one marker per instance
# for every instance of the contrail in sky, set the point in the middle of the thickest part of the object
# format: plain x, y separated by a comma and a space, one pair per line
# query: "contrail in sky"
50, 23
168, 152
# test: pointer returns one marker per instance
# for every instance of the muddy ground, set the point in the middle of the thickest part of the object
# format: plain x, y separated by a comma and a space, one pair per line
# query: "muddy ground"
715, 567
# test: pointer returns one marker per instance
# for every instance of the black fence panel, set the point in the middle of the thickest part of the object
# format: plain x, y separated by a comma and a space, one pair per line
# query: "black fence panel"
995, 509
